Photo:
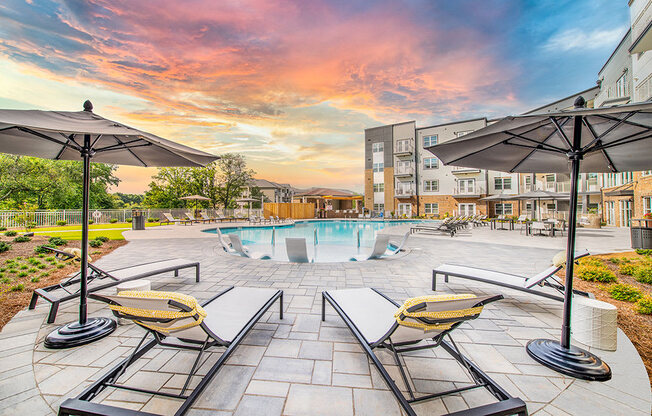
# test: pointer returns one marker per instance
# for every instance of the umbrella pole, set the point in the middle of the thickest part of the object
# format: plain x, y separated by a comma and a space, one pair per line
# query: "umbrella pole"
562, 356
85, 330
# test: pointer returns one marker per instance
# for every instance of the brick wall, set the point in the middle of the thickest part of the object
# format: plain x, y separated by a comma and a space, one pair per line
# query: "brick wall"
642, 188
389, 189
369, 189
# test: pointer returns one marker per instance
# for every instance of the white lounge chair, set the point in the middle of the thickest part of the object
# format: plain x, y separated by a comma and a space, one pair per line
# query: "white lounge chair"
378, 322
380, 247
297, 250
226, 245
192, 218
177, 321
521, 283
169, 219
399, 246
240, 249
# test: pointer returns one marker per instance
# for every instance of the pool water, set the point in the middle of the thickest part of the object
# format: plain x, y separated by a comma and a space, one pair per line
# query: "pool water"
327, 241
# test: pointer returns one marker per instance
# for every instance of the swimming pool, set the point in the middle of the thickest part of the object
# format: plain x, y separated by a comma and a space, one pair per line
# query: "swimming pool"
328, 241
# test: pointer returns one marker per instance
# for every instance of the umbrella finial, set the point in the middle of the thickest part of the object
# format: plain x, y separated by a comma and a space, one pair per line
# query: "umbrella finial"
88, 106
580, 102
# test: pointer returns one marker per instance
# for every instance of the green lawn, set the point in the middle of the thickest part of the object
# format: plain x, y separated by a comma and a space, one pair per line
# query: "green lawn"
73, 232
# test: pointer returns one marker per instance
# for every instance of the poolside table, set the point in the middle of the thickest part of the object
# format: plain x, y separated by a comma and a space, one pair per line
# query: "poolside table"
502, 222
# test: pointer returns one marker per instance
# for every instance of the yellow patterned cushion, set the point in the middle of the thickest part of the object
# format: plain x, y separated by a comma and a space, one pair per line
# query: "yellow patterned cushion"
402, 313
196, 310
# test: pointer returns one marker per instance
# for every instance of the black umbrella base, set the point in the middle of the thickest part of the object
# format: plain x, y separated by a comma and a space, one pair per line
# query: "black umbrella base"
74, 334
575, 362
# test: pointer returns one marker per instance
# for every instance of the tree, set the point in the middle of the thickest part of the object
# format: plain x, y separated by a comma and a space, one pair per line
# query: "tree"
168, 186
52, 184
232, 177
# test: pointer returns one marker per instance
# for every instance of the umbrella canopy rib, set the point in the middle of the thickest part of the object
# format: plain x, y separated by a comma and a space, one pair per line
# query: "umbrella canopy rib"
534, 150
561, 132
48, 138
598, 141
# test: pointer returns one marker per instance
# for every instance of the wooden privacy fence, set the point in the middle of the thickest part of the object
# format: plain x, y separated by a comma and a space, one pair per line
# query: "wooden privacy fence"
294, 210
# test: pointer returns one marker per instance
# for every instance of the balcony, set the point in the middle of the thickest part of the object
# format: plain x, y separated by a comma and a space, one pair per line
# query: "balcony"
469, 191
404, 148
404, 170
563, 187
403, 191
459, 170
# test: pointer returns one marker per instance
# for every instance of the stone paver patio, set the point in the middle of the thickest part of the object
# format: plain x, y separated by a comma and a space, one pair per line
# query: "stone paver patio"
303, 366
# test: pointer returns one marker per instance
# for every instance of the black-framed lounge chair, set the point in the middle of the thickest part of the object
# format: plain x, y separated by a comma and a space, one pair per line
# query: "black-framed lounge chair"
521, 283
206, 218
376, 321
378, 251
445, 227
99, 279
297, 250
222, 321
244, 251
169, 219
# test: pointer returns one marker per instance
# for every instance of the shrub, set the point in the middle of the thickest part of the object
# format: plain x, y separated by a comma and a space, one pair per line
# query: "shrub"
13, 271
44, 274
113, 220
627, 269
644, 306
2, 275
95, 243
591, 262
41, 255
22, 239
643, 274
32, 270
23, 267
3, 228
35, 279
4, 246
18, 288
627, 293
10, 233
102, 238
592, 273
61, 223
644, 252
153, 219
5, 280
57, 241
614, 260
129, 220
50, 259
42, 248
60, 265
41, 266
90, 222
22, 274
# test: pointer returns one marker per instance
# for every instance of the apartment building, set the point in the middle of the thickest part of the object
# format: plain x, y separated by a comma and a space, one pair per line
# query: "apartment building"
274, 192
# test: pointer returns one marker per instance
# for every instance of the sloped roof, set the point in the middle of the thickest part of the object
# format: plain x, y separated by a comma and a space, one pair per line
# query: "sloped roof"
315, 191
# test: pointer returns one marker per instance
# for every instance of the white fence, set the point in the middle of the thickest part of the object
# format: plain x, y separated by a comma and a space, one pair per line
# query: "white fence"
11, 219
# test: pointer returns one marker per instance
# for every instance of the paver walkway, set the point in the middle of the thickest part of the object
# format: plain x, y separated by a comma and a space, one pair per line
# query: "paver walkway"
302, 366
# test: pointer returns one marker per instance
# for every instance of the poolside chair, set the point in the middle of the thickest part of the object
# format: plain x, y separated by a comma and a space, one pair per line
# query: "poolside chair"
396, 247
99, 279
177, 321
192, 218
297, 250
380, 247
226, 245
445, 227
376, 321
206, 218
521, 283
169, 219
244, 251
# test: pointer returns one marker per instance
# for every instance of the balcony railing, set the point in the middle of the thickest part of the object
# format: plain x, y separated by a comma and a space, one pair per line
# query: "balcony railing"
404, 169
459, 170
472, 192
557, 186
403, 191
404, 147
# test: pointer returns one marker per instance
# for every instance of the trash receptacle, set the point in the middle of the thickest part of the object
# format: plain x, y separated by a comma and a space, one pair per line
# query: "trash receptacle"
641, 232
137, 219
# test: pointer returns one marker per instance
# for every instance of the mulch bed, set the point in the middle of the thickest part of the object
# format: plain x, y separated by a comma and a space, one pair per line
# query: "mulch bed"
11, 302
636, 326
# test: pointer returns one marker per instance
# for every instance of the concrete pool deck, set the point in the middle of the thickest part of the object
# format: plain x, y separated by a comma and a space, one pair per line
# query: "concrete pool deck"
302, 366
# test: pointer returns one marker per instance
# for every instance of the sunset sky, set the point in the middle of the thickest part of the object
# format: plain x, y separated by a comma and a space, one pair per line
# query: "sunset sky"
293, 85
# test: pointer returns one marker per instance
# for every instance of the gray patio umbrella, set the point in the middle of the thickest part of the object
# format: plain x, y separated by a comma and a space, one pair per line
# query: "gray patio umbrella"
498, 197
83, 135
610, 139
539, 195
245, 201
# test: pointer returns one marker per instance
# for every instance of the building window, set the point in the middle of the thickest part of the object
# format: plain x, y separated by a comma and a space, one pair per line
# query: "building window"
379, 207
403, 146
647, 173
647, 205
621, 86
466, 186
429, 140
528, 183
504, 209
379, 187
430, 163
378, 167
503, 184
431, 186
378, 147
432, 208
